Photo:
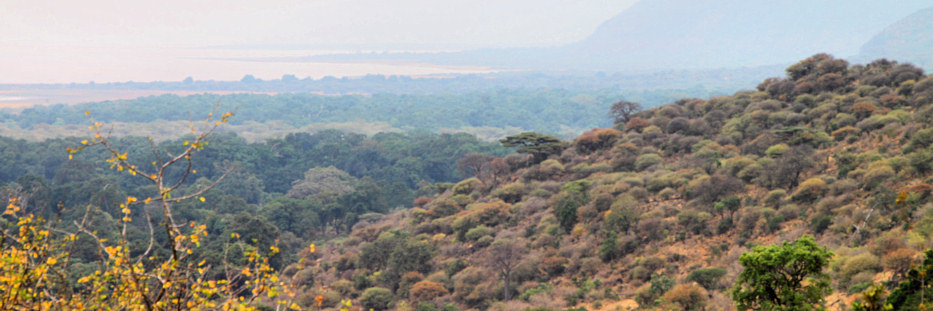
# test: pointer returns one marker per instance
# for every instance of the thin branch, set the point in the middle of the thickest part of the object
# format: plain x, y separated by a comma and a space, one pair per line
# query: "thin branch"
151, 238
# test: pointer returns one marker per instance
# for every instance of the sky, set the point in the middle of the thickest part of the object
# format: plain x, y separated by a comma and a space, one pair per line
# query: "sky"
107, 40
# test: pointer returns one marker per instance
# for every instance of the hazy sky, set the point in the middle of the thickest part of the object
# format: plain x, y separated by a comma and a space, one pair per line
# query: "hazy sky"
432, 24
120, 40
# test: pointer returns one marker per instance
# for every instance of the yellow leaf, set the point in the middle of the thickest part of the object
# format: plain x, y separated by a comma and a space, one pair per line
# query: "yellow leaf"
147, 200
51, 261
84, 142
87, 112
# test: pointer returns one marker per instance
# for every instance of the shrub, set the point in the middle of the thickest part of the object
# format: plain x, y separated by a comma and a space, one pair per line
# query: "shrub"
647, 160
408, 279
477, 232
647, 295
876, 174
694, 221
775, 197
810, 190
857, 269
544, 170
844, 132
819, 223
483, 241
640, 273
789, 211
511, 193
462, 199
467, 186
776, 150
376, 298
421, 201
426, 290
687, 297
667, 193
443, 208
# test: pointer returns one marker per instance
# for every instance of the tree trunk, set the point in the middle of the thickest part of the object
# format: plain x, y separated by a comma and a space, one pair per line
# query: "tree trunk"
508, 293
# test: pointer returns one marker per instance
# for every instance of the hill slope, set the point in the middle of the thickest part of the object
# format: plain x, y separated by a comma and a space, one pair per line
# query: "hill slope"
656, 211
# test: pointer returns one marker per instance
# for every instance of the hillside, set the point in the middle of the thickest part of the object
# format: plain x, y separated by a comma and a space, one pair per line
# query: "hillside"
655, 211
909, 40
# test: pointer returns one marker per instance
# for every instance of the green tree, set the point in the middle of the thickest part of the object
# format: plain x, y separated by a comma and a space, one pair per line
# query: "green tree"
872, 299
707, 277
540, 146
783, 277
916, 289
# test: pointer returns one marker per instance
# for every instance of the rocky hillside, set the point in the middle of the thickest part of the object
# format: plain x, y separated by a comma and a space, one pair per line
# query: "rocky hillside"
654, 212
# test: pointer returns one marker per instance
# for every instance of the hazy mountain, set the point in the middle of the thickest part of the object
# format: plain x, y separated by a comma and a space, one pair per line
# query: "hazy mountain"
690, 34
709, 34
908, 40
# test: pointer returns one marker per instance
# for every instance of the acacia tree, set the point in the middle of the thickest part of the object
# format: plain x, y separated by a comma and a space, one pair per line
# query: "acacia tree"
622, 111
493, 171
472, 163
783, 277
504, 255
36, 274
540, 146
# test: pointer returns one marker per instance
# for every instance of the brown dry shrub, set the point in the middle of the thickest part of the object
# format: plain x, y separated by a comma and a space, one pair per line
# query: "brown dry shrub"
426, 290
687, 297
899, 261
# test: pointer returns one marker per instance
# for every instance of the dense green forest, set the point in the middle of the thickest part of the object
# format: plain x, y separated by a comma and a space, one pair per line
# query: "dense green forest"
302, 184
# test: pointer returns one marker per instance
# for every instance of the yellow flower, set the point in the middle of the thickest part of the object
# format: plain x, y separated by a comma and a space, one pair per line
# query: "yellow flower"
312, 247
202, 199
